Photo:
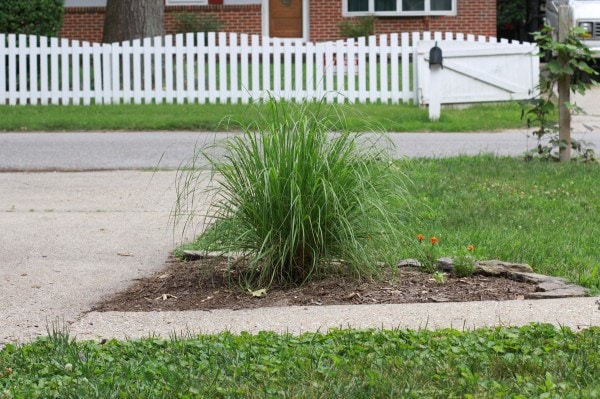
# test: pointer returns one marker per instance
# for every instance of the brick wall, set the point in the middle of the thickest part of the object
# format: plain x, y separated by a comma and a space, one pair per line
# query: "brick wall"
476, 17
87, 23
235, 18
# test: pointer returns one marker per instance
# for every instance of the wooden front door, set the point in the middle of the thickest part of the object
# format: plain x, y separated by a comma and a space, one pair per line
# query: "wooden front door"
285, 18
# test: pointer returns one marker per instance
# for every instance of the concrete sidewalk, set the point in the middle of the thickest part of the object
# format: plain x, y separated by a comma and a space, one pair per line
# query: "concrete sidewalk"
70, 239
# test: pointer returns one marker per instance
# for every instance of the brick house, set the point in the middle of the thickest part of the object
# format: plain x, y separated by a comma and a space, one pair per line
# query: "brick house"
314, 20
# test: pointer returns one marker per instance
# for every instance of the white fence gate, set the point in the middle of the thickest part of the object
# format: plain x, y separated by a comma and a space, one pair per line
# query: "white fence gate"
479, 71
212, 68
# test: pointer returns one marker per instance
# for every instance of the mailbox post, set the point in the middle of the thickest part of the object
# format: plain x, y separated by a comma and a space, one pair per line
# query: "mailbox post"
436, 64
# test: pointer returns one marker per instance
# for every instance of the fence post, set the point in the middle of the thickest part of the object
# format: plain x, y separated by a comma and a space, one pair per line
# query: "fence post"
435, 83
564, 83
435, 92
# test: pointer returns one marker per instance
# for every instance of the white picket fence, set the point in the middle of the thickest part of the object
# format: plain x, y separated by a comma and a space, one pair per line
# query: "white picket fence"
216, 68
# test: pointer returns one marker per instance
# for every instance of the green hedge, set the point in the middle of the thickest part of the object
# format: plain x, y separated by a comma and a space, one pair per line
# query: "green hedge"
34, 17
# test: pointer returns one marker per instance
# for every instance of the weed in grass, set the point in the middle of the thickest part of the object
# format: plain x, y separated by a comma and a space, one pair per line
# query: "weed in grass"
295, 198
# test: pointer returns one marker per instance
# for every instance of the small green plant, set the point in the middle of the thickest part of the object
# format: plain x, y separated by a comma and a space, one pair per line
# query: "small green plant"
297, 200
464, 265
439, 277
429, 254
539, 111
357, 27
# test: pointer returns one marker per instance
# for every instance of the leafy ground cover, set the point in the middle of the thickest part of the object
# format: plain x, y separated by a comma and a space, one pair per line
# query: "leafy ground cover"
220, 117
532, 361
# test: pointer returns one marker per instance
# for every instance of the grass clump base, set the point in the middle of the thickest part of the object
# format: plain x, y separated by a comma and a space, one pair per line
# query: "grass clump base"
296, 199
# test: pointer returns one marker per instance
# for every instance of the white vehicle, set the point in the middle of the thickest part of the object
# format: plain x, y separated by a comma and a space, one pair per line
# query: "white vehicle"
585, 14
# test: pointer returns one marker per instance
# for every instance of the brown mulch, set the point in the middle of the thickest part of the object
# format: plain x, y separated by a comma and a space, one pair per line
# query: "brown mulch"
200, 285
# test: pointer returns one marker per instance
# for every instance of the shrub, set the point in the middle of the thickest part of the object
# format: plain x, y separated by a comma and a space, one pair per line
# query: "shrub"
33, 17
186, 22
300, 202
357, 27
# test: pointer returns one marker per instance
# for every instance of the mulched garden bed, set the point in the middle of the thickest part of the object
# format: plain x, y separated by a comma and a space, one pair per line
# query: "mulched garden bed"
200, 285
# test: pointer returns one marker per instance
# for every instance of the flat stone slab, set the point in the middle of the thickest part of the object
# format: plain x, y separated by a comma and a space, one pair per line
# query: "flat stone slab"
569, 291
196, 255
536, 278
546, 286
498, 267
409, 263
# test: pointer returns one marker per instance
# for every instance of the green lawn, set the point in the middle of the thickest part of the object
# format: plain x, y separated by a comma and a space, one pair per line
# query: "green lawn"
232, 117
544, 214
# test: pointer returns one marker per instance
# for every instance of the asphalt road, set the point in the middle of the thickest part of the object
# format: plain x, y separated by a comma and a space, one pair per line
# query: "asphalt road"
170, 150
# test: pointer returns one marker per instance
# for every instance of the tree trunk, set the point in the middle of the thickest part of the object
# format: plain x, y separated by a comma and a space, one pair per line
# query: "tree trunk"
564, 86
533, 17
133, 19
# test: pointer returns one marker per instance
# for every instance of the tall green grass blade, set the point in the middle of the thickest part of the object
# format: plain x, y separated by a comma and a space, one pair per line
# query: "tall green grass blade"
298, 200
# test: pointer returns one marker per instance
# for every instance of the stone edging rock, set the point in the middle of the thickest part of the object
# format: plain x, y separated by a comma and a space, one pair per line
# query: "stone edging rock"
546, 286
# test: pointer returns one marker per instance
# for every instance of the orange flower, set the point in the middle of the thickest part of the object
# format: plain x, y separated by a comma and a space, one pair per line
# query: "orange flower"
420, 237
470, 247
434, 240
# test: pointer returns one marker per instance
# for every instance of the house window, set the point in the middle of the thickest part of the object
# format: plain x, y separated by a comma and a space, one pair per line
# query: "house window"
399, 7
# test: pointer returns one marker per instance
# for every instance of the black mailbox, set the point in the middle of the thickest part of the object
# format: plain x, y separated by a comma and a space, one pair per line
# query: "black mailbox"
435, 56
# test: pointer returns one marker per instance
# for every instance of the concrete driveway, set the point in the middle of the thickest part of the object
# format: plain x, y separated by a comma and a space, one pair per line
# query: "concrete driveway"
69, 239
